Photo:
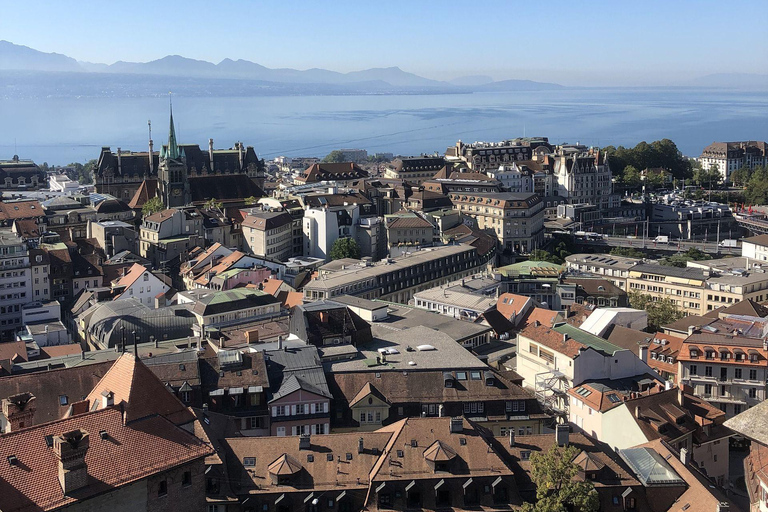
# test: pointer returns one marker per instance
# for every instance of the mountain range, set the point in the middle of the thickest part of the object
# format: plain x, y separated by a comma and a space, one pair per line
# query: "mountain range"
22, 58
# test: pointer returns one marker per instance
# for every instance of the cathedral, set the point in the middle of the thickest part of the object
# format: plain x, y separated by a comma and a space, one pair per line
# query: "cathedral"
180, 174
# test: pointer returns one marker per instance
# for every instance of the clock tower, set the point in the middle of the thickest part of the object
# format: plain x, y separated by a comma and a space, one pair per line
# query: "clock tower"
173, 187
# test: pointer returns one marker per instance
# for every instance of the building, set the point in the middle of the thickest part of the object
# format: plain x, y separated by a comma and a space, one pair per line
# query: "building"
685, 287
730, 156
114, 236
61, 183
552, 360
141, 284
327, 323
167, 234
584, 178
408, 229
268, 234
354, 155
322, 226
397, 279
591, 290
21, 174
415, 170
447, 181
752, 425
516, 219
690, 220
337, 172
15, 282
481, 156
214, 309
466, 299
755, 247
516, 177
603, 320
535, 279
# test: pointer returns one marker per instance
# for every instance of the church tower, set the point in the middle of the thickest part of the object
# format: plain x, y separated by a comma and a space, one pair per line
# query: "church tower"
173, 187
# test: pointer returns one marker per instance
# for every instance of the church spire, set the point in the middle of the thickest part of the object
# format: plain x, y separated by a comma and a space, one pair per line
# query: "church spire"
173, 148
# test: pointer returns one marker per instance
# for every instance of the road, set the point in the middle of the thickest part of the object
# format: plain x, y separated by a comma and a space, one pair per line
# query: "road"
674, 246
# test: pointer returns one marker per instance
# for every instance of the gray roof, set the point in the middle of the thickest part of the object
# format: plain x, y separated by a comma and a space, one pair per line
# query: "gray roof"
752, 423
447, 354
300, 362
404, 317
294, 383
359, 302
667, 270
650, 467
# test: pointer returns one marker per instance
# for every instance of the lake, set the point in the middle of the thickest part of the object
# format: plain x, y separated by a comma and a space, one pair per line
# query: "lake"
60, 130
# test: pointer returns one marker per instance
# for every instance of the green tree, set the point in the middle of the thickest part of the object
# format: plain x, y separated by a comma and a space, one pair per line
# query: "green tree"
250, 201
213, 204
682, 259
708, 178
154, 205
741, 176
757, 188
660, 312
629, 252
334, 156
557, 490
542, 255
345, 248
631, 177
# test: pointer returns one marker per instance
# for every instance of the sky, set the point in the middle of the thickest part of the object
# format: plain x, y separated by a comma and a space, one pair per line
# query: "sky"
614, 42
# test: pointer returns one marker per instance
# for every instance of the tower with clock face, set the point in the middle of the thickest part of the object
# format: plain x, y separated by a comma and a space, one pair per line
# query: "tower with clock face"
173, 187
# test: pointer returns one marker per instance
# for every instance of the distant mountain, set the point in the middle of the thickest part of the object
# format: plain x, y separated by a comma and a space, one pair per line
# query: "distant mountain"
732, 81
518, 85
471, 80
13, 56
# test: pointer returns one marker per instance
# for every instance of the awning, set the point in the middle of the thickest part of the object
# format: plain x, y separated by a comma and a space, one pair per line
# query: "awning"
235, 391
467, 483
343, 493
278, 500
217, 392
408, 487
379, 488
439, 484
496, 482
309, 497
256, 389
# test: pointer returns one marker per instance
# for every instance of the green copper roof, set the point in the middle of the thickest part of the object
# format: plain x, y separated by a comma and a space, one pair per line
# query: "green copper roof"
173, 147
586, 338
534, 268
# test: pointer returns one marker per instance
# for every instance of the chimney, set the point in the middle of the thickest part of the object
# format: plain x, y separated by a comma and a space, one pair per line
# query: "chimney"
457, 425
107, 399
637, 412
511, 437
562, 435
565, 338
643, 353
210, 152
680, 395
280, 342
119, 161
70, 448
536, 323
691, 329
685, 457
360, 445
723, 506
304, 442
19, 410
440, 410
240, 154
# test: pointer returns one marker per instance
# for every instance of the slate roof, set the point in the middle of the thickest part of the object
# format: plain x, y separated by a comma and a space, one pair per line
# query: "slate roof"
225, 187
265, 220
752, 423
214, 303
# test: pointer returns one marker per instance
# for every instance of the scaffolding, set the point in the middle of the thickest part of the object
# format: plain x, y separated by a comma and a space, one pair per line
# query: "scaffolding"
552, 392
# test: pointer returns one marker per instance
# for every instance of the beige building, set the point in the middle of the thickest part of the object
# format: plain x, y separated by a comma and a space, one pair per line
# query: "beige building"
613, 268
268, 234
755, 247
516, 219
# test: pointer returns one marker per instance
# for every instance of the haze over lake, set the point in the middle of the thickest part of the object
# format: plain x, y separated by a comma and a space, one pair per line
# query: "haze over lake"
60, 130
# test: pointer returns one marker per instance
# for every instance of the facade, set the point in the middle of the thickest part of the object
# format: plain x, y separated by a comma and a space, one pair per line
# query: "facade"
141, 284
751, 424
15, 282
408, 229
481, 156
516, 177
324, 225
21, 174
336, 172
516, 219
231, 307
397, 279
584, 178
268, 234
683, 286
755, 247
730, 156
415, 170
167, 234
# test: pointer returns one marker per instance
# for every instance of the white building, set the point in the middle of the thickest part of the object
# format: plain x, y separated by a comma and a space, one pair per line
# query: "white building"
139, 283
62, 183
755, 247
15, 282
323, 226
515, 178
730, 156
603, 319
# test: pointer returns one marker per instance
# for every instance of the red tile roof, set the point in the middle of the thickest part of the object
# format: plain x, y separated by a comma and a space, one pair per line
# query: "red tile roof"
511, 305
129, 453
13, 210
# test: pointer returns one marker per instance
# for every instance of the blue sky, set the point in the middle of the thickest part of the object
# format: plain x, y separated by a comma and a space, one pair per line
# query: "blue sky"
577, 43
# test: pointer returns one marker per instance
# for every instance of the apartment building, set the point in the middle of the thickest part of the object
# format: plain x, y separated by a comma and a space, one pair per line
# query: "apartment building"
752, 425
415, 170
397, 279
481, 156
730, 156
516, 219
323, 225
685, 287
515, 177
725, 369
15, 282
139, 283
584, 178
169, 233
408, 229
268, 234
755, 247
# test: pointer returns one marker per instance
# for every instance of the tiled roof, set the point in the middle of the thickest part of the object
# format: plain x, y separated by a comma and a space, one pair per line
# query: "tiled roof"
747, 308
223, 188
408, 222
511, 305
12, 210
146, 191
545, 317
161, 216
129, 453
752, 423
133, 383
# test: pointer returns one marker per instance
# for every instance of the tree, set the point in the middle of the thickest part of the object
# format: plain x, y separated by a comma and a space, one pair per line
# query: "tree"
251, 200
631, 177
629, 252
542, 255
345, 248
660, 312
708, 177
681, 260
334, 156
154, 205
757, 188
741, 176
213, 204
553, 472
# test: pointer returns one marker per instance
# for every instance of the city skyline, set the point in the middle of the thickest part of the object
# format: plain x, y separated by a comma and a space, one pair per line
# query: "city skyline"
655, 43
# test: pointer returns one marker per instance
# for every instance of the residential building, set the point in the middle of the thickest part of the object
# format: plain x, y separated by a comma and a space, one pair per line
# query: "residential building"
15, 282
397, 279
447, 181
755, 247
415, 170
516, 177
481, 156
21, 174
613, 268
751, 424
516, 219
730, 156
326, 323
466, 299
337, 172
602, 320
167, 234
535, 279
663, 354
324, 225
685, 287
726, 369
584, 178
230, 307
409, 230
140, 283
114, 236
268, 234
553, 360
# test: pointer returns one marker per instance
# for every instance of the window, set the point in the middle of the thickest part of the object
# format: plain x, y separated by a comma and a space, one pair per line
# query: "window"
63, 400
474, 375
694, 370
708, 371
525, 455
461, 375
752, 374
737, 373
162, 489
752, 392
186, 479
186, 396
249, 462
